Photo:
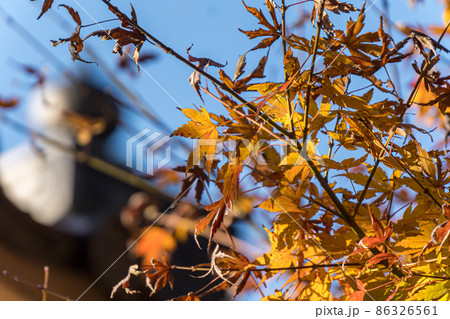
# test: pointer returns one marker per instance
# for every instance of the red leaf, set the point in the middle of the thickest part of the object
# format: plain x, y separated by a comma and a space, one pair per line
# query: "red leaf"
357, 296
380, 257
376, 225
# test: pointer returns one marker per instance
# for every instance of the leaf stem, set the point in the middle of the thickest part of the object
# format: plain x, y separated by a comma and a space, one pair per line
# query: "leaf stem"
96, 23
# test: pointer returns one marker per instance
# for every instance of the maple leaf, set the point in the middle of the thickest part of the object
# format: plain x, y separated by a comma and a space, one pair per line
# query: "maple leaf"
381, 234
126, 35
45, 7
122, 37
273, 32
283, 200
159, 274
216, 214
433, 291
332, 5
232, 267
7, 103
218, 209
195, 174
357, 44
230, 260
202, 64
439, 236
200, 127
257, 73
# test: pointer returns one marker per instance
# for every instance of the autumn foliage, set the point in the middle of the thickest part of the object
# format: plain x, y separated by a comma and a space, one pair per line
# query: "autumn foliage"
358, 199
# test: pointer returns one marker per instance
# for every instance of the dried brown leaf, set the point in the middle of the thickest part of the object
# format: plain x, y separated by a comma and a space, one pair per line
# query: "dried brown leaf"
45, 7
7, 103
74, 14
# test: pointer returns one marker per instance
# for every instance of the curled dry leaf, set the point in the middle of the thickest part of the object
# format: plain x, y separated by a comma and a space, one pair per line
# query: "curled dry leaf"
45, 7
202, 64
232, 267
240, 67
122, 37
125, 282
126, 35
74, 14
75, 42
423, 41
331, 5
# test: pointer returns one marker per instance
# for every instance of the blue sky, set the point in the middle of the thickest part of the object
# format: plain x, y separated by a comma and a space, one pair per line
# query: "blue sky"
212, 26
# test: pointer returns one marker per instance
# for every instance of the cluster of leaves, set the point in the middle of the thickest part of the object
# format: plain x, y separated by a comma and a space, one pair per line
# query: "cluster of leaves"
123, 36
370, 216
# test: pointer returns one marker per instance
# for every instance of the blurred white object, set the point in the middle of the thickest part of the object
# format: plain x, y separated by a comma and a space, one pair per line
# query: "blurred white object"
39, 178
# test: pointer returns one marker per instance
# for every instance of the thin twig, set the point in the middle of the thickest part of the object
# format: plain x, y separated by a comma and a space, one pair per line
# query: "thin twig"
315, 266
33, 285
366, 187
286, 75
46, 275
311, 72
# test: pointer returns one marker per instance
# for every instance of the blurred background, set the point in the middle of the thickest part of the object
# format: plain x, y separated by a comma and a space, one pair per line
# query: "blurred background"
68, 199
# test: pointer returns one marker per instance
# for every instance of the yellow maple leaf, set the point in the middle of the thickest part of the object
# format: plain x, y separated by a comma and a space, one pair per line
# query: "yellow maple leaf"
200, 127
